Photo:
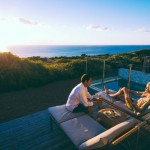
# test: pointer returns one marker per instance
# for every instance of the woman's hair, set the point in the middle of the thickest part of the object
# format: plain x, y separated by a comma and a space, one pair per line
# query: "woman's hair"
85, 77
148, 86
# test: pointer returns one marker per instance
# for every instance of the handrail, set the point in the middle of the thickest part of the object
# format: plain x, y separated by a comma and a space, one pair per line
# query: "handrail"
115, 79
86, 69
129, 76
121, 138
103, 75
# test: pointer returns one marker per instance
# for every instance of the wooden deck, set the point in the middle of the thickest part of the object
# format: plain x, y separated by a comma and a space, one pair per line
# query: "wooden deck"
32, 132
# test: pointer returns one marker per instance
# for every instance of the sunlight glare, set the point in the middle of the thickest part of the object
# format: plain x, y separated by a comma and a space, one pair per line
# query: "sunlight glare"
3, 48
14, 32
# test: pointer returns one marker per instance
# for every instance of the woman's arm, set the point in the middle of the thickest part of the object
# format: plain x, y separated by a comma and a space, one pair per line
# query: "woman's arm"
138, 93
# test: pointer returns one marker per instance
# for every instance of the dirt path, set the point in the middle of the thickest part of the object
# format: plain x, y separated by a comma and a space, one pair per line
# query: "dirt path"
20, 103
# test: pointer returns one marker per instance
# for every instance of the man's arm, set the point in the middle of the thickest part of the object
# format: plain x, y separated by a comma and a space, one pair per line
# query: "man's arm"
83, 99
89, 96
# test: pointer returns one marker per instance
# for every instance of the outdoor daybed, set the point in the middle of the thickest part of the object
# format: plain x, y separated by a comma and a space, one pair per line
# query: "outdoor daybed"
84, 131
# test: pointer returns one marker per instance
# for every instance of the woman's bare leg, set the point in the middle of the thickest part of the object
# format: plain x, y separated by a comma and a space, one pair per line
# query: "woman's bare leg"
128, 99
124, 94
120, 92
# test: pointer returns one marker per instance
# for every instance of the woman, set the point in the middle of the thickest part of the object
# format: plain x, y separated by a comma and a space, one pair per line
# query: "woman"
138, 106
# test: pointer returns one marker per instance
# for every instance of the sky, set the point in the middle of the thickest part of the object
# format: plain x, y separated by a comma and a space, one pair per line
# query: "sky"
74, 22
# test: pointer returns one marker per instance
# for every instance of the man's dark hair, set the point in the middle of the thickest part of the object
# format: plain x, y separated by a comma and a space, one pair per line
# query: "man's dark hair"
85, 77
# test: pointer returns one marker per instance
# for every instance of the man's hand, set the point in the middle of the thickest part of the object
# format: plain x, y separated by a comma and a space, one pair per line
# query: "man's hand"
99, 103
96, 96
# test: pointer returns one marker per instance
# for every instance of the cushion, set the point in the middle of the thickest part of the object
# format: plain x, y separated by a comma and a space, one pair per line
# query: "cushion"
104, 138
123, 106
81, 129
102, 94
61, 114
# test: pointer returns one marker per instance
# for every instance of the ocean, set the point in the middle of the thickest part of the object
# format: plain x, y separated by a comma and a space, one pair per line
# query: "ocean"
57, 51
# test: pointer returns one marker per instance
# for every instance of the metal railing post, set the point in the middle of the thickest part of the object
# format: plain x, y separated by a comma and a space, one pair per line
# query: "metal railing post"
129, 76
103, 75
86, 67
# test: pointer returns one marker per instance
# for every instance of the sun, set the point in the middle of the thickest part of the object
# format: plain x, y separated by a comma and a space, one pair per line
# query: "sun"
3, 48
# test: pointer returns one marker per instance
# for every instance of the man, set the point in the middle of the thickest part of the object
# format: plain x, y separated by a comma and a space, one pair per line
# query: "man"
138, 106
79, 99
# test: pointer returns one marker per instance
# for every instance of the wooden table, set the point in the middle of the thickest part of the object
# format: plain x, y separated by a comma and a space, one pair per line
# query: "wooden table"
110, 117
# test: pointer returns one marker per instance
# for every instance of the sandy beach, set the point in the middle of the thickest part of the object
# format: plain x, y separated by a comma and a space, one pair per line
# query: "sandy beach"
20, 103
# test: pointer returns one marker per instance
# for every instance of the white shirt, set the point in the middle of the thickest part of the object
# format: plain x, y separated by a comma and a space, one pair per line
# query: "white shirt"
78, 95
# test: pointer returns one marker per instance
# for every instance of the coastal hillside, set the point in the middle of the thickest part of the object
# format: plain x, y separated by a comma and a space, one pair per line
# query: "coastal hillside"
29, 85
20, 73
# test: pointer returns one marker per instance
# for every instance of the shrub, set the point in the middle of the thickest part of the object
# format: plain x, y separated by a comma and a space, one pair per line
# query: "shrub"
19, 73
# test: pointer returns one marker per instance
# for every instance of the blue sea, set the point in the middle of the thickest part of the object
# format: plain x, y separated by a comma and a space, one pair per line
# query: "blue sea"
57, 51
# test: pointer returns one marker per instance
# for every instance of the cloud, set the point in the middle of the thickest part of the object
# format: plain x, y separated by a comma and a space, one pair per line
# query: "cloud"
143, 30
96, 27
2, 19
26, 21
